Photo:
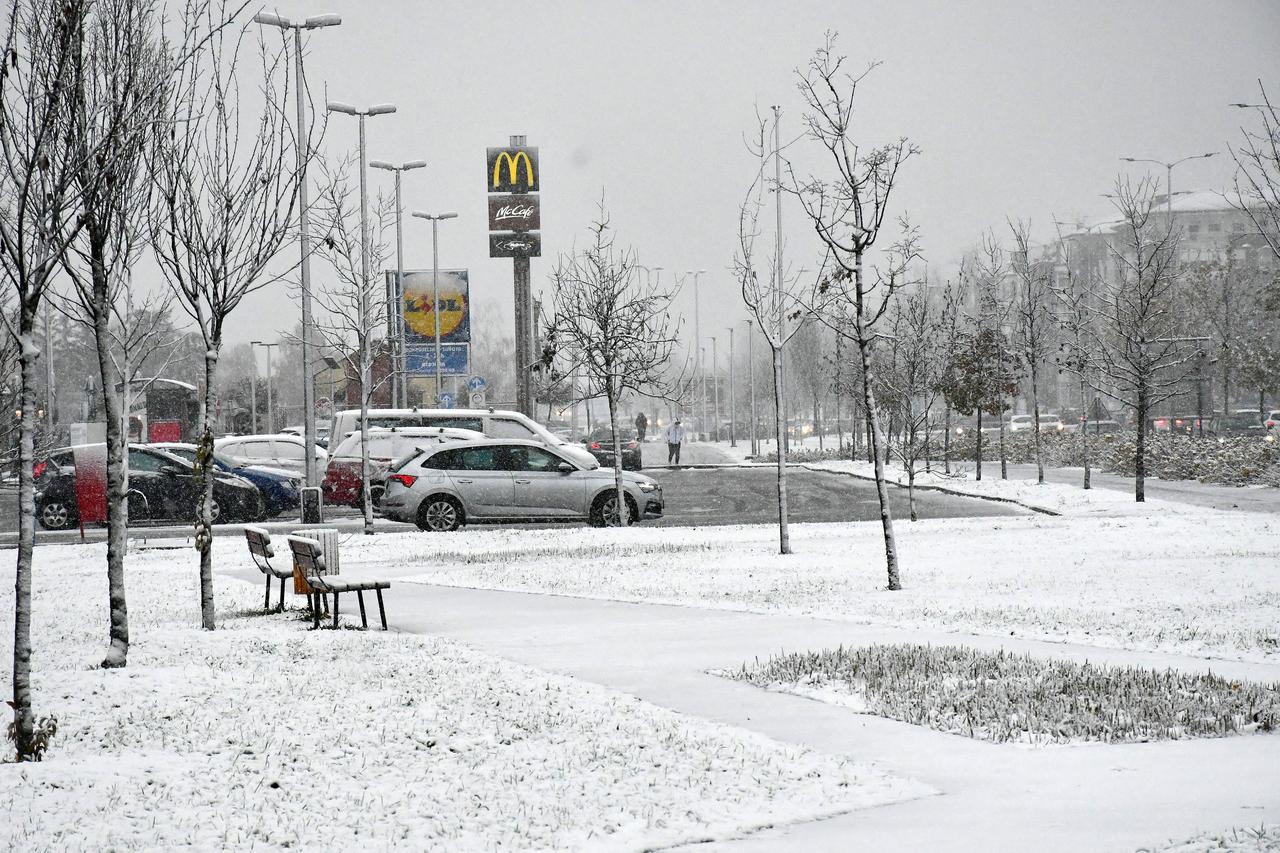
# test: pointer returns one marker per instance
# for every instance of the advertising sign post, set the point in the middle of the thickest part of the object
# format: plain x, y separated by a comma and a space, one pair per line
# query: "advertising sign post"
513, 178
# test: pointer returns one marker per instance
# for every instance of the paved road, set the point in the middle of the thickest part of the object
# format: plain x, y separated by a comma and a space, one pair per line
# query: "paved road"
695, 497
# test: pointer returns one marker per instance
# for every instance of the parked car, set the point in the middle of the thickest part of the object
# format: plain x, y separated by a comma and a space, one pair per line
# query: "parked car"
279, 488
600, 445
275, 451
494, 423
1272, 422
451, 485
162, 487
342, 484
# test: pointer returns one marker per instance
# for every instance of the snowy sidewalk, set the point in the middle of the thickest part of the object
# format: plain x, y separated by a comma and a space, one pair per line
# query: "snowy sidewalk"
996, 797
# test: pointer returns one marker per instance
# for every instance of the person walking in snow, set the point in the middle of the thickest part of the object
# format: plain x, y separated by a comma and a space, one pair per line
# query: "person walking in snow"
642, 423
675, 437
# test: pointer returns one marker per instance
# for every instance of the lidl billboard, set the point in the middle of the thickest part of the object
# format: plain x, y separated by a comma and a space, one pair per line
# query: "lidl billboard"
455, 308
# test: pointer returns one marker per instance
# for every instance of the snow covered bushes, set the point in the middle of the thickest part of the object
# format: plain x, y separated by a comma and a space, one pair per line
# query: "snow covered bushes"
1001, 697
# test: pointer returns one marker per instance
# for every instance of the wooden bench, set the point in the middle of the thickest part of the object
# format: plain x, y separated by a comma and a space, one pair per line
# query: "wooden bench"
260, 548
309, 557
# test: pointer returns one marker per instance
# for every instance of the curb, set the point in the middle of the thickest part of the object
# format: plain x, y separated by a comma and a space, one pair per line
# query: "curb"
943, 489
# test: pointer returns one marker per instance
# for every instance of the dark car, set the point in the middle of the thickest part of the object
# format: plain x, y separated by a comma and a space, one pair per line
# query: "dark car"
279, 488
600, 445
162, 487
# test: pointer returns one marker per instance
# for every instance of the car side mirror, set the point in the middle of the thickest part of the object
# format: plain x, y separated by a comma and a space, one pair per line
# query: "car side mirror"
565, 468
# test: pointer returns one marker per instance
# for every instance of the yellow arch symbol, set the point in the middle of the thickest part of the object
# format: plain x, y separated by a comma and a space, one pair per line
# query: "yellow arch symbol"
513, 167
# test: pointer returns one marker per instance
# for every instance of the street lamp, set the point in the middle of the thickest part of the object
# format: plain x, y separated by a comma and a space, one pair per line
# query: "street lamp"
435, 286
697, 344
271, 421
363, 303
304, 240
715, 382
733, 397
649, 271
1168, 168
395, 305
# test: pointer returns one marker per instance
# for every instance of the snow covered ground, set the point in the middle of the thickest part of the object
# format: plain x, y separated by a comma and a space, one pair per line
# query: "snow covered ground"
266, 735
1173, 579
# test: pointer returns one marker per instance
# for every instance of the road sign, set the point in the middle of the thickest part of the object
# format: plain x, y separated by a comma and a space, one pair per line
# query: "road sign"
515, 244
420, 359
477, 383
446, 400
477, 399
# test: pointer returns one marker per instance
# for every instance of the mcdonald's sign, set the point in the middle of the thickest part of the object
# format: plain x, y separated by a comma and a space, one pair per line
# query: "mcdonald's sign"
512, 170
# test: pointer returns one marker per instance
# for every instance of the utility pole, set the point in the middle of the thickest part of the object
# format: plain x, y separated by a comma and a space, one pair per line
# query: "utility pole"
751, 381
733, 397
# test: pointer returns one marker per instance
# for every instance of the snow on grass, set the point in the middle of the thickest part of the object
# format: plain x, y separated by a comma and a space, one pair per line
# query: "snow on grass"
1055, 497
1004, 697
264, 734
1260, 839
1187, 581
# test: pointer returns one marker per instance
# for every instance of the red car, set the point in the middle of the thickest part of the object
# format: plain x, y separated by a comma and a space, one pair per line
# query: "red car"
342, 483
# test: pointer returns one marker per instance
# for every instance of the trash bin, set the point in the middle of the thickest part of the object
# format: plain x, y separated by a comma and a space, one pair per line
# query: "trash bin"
328, 539
312, 500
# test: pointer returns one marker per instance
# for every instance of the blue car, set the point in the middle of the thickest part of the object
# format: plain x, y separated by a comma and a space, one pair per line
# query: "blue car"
279, 488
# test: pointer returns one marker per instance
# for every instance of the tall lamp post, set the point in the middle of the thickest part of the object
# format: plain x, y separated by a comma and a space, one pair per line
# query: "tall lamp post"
733, 397
697, 345
304, 238
715, 383
751, 381
271, 421
395, 302
435, 287
362, 113
1168, 172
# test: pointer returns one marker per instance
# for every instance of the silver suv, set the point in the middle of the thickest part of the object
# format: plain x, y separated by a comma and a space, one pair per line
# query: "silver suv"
448, 486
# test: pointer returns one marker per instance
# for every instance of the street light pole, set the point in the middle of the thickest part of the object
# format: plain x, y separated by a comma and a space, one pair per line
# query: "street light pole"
253, 391
697, 346
395, 302
1168, 172
271, 421
733, 397
715, 383
304, 237
435, 288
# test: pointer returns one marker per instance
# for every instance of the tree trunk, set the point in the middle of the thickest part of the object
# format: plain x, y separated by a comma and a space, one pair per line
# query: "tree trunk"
204, 473
978, 453
624, 515
1084, 433
877, 434
23, 716
817, 424
946, 440
1004, 457
911, 492
784, 535
117, 473
1140, 458
1035, 417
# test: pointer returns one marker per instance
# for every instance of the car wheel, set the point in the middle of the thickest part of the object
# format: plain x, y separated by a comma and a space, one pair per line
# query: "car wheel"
215, 512
54, 515
439, 514
375, 495
604, 511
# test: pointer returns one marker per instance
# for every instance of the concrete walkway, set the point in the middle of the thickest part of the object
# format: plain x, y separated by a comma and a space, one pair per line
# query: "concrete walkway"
993, 798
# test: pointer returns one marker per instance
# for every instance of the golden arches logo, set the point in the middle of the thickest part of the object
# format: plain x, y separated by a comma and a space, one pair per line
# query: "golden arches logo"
513, 167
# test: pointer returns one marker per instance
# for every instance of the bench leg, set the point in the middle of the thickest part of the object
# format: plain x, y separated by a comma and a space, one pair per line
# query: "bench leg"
281, 595
313, 599
335, 610
267, 605
382, 611
364, 622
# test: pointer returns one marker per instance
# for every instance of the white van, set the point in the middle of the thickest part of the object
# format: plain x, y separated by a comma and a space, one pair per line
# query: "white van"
494, 423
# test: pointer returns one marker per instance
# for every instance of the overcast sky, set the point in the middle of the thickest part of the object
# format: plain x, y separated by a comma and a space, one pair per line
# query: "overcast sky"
1021, 109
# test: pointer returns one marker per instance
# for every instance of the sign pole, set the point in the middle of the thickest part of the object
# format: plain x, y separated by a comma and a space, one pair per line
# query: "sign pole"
524, 328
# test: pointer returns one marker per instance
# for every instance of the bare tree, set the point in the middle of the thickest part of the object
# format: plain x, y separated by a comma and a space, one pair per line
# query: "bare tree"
353, 312
1138, 347
949, 341
1257, 178
616, 328
910, 375
1077, 338
227, 188
848, 213
1033, 323
771, 299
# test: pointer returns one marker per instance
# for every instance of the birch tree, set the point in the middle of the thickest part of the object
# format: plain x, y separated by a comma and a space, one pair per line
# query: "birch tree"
40, 75
227, 186
353, 311
849, 211
616, 328
770, 299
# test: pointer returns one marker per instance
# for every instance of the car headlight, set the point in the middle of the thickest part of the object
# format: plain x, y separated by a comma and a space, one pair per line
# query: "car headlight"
648, 487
